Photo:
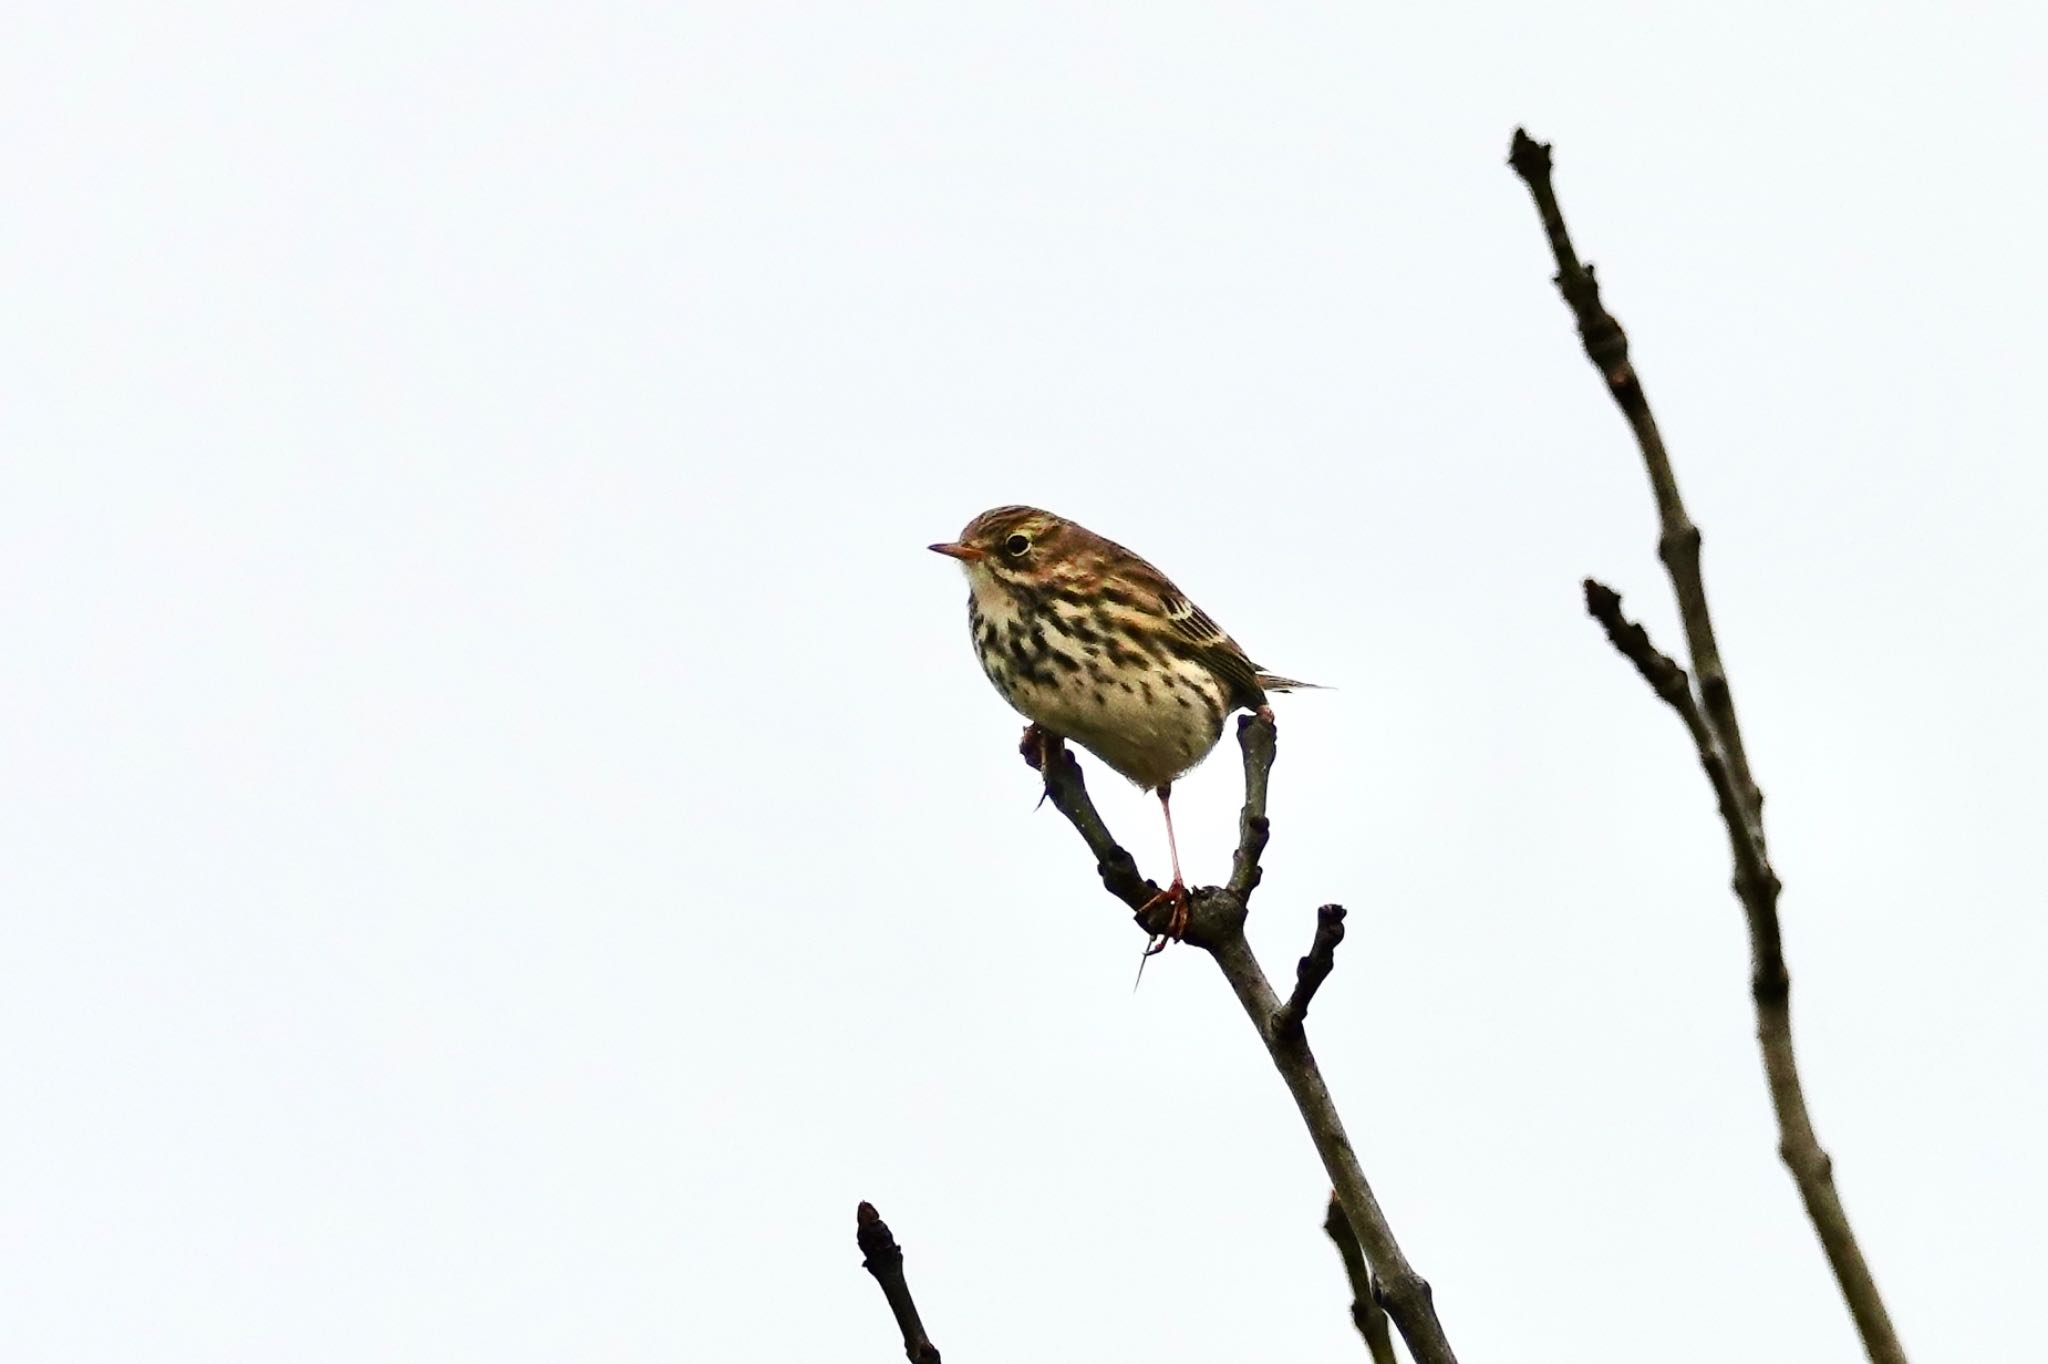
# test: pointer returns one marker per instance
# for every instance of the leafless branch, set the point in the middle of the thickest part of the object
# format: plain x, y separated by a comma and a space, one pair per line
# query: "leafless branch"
1255, 735
1672, 685
1314, 968
1366, 1313
1216, 925
1069, 795
1709, 719
884, 1260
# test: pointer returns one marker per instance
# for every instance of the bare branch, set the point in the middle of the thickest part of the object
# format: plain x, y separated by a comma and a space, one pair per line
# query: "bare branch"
1672, 686
1710, 720
1313, 969
1216, 925
1678, 544
1256, 736
1366, 1313
885, 1261
1067, 791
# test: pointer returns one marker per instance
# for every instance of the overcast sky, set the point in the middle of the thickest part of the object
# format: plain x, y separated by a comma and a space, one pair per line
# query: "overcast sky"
503, 840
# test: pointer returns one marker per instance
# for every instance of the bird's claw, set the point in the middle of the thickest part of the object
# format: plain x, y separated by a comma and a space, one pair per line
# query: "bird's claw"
1040, 748
1175, 895
1039, 745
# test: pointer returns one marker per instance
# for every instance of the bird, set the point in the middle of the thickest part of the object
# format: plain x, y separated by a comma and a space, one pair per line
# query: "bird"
1090, 642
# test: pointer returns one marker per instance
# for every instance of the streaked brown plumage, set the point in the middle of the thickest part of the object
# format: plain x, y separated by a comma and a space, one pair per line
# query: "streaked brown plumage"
1094, 644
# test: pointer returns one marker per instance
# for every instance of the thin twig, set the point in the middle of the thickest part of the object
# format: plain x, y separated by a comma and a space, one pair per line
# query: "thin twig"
1366, 1313
1314, 968
1678, 544
1672, 685
1710, 720
1216, 925
885, 1261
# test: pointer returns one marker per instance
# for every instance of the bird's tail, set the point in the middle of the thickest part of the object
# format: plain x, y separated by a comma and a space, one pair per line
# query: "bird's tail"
1275, 682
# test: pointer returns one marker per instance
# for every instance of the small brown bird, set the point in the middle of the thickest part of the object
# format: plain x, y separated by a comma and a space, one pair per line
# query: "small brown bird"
1093, 644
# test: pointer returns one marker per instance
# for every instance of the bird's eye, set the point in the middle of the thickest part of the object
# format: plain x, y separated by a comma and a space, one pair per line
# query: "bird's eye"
1016, 545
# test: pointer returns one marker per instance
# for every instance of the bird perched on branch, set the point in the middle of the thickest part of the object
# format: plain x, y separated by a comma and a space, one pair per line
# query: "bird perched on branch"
1091, 643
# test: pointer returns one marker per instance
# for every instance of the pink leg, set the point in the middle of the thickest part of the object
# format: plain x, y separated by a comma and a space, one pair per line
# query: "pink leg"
1172, 848
1175, 894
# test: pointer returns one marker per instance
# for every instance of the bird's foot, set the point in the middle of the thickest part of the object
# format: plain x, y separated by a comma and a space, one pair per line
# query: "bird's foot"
1040, 747
1041, 750
1033, 747
1182, 907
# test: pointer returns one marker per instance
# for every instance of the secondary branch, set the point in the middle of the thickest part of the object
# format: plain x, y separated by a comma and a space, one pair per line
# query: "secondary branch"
1366, 1313
1709, 718
1312, 970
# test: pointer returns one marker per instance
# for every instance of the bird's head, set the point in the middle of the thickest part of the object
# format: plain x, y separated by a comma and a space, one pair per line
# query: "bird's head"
1013, 545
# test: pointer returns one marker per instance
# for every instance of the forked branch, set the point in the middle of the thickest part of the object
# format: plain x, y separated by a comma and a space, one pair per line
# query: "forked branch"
1216, 925
1709, 719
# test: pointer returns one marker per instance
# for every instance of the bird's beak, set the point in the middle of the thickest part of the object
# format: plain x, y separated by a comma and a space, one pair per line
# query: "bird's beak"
965, 553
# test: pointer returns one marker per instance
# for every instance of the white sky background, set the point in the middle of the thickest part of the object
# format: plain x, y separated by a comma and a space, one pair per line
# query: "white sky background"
504, 841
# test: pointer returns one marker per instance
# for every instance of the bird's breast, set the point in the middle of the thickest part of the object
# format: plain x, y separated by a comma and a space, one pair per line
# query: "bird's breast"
1084, 672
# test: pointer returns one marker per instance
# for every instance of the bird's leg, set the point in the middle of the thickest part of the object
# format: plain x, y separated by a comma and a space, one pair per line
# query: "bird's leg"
1172, 849
1176, 894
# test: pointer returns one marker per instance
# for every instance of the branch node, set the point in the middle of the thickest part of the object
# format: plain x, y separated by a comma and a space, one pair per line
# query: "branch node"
1679, 543
1215, 916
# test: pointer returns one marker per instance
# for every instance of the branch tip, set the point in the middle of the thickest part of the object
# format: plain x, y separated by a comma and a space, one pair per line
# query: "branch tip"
884, 1260
1312, 971
1671, 683
1529, 157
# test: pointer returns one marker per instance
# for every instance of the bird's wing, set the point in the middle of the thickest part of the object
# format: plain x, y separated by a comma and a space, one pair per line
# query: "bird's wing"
1205, 640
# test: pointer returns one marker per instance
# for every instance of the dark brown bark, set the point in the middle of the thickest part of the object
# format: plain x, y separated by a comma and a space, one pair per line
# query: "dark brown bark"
1315, 968
884, 1260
